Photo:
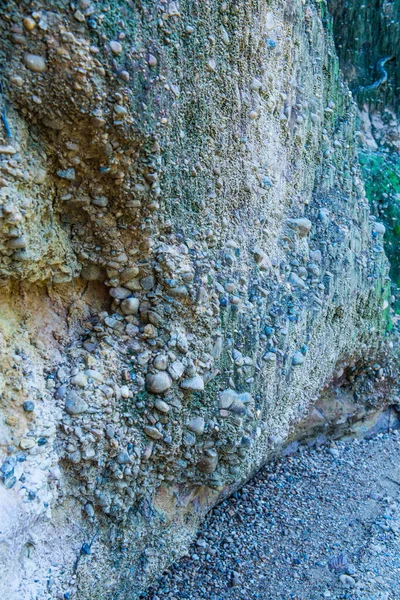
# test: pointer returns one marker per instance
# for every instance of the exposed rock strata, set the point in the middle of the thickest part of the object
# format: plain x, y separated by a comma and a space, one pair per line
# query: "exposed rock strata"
187, 257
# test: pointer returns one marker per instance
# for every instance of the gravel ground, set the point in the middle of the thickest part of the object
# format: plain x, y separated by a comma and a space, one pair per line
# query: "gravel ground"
319, 524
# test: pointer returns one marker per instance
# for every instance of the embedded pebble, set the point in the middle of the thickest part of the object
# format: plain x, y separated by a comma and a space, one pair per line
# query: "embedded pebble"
80, 380
158, 383
34, 63
29, 406
7, 150
74, 405
196, 425
162, 406
379, 228
17, 243
160, 362
119, 293
209, 462
116, 48
27, 443
130, 306
176, 370
300, 226
226, 398
153, 432
347, 580
298, 359
194, 384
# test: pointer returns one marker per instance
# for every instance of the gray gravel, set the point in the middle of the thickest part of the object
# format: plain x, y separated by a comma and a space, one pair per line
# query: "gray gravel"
323, 523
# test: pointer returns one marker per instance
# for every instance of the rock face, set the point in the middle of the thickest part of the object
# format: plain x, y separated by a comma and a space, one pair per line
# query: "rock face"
186, 258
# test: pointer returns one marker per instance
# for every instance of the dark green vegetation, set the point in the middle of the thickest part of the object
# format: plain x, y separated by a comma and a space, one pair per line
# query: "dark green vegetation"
381, 173
367, 42
365, 32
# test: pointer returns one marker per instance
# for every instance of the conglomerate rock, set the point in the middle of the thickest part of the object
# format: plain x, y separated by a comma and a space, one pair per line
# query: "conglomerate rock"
187, 258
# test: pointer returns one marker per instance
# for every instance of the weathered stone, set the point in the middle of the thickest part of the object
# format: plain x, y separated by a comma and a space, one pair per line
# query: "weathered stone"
162, 406
301, 226
379, 228
29, 406
116, 47
79, 380
196, 425
237, 407
95, 375
176, 370
17, 243
123, 458
208, 463
74, 405
119, 293
153, 433
130, 306
298, 359
35, 63
27, 443
226, 398
158, 383
194, 384
7, 149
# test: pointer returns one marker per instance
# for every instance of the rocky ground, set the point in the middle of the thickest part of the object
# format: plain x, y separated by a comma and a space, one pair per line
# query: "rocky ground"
323, 523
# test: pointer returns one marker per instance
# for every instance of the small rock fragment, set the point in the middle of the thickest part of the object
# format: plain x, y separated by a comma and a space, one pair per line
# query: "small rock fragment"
208, 463
301, 226
298, 359
74, 405
153, 433
196, 425
194, 384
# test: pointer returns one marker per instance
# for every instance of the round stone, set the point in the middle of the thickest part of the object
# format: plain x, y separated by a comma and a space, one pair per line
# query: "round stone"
157, 383
160, 362
74, 405
29, 23
34, 63
379, 228
29, 406
116, 48
298, 359
162, 406
119, 293
130, 306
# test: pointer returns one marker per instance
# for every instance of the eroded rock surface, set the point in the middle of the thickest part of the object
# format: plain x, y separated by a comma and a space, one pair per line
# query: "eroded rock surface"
187, 258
